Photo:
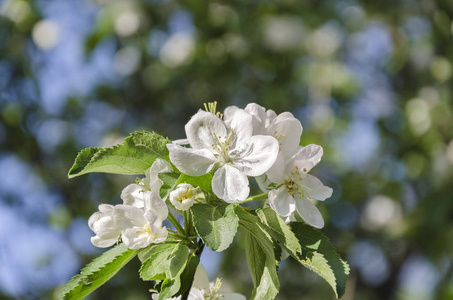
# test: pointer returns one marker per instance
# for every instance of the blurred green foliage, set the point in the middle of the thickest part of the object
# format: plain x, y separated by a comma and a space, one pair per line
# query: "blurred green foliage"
370, 81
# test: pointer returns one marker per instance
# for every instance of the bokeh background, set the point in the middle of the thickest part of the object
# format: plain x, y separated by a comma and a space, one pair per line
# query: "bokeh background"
370, 81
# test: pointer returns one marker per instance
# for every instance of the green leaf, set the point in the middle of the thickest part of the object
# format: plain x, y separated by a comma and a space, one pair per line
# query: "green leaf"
156, 266
280, 231
97, 272
188, 273
167, 261
204, 182
169, 182
216, 224
134, 156
253, 225
262, 268
260, 256
169, 288
320, 256
145, 253
178, 260
83, 158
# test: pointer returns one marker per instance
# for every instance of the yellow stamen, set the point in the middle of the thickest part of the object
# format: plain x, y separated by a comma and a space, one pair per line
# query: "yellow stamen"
212, 108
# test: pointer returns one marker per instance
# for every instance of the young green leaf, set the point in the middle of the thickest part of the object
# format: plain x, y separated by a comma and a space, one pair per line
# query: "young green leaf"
169, 181
97, 272
133, 156
320, 256
252, 224
260, 256
262, 268
145, 253
279, 231
204, 182
167, 261
188, 273
216, 224
169, 288
178, 260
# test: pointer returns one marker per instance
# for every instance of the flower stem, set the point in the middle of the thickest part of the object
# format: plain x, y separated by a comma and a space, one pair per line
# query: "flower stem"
185, 296
188, 222
256, 197
175, 223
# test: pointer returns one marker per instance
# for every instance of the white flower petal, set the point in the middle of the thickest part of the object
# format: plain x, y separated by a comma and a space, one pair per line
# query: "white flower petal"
106, 209
94, 218
286, 124
155, 204
257, 155
183, 197
263, 183
159, 235
306, 157
127, 216
193, 162
316, 190
232, 296
230, 184
228, 114
201, 128
259, 115
134, 239
271, 115
102, 224
242, 124
181, 142
290, 218
102, 243
201, 279
277, 173
152, 178
309, 212
134, 195
196, 294
282, 202
105, 228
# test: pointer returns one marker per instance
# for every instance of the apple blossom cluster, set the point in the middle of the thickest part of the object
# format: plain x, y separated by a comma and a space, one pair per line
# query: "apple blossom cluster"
205, 179
138, 221
242, 142
258, 143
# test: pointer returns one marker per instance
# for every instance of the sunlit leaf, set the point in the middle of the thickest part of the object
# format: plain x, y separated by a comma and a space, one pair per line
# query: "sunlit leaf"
260, 256
216, 224
320, 256
134, 156
97, 272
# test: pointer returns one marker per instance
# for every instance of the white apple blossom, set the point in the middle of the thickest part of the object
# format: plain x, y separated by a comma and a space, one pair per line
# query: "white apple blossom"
232, 149
184, 196
141, 227
134, 193
284, 127
297, 187
203, 290
101, 222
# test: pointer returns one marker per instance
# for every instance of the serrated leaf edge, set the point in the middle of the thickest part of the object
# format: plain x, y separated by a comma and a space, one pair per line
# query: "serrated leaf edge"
102, 150
235, 231
81, 276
